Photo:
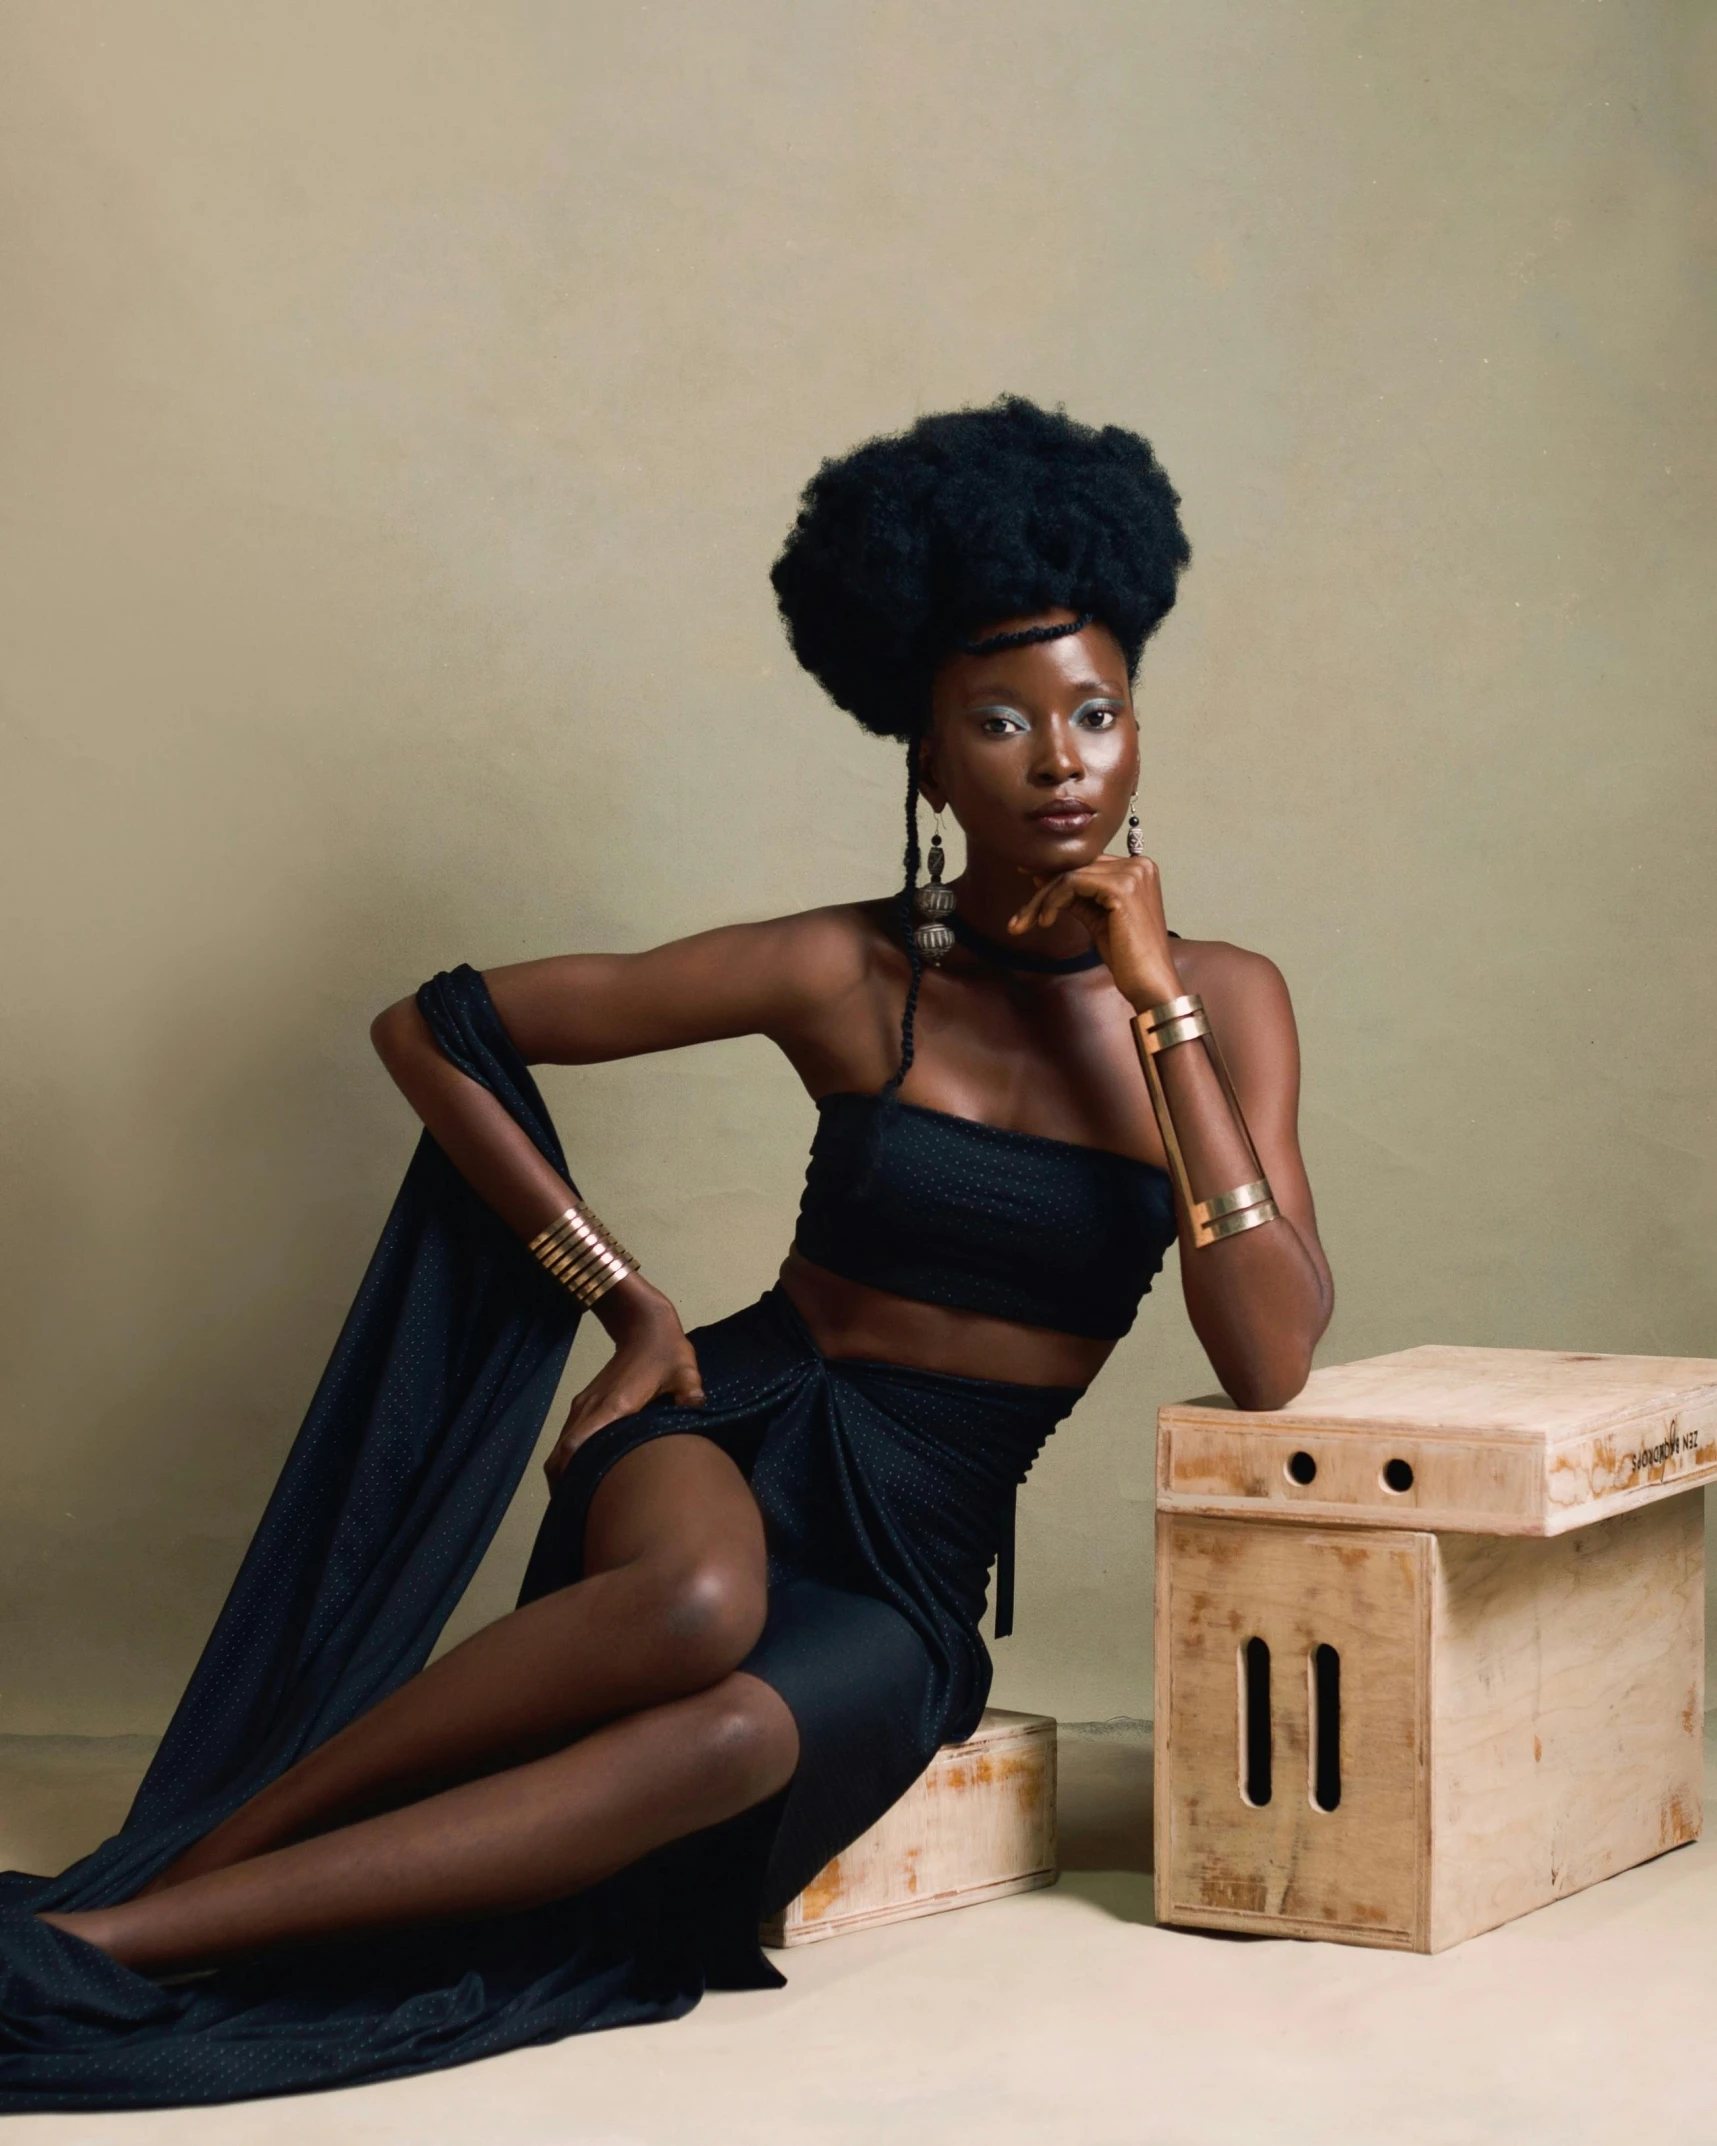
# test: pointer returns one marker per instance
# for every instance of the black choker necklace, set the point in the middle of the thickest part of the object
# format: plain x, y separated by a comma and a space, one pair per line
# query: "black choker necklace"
1008, 957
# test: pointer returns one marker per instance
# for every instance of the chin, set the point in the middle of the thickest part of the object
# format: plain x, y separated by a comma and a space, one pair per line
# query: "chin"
1049, 854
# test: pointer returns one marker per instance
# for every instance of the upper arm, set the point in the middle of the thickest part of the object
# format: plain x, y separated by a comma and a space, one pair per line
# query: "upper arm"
1253, 1017
770, 979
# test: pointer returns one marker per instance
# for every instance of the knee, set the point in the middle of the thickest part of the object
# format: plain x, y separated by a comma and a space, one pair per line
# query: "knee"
748, 1742
712, 1614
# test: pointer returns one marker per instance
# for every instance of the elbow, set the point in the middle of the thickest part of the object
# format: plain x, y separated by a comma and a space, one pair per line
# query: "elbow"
1265, 1361
1266, 1386
394, 1030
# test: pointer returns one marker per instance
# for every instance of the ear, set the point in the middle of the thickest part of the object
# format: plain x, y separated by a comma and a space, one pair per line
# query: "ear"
929, 783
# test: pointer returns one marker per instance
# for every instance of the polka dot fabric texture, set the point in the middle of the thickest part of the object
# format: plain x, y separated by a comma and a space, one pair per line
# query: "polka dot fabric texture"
947, 1210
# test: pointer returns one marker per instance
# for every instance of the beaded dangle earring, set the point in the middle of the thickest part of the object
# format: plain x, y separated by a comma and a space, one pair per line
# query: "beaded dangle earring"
934, 903
1135, 840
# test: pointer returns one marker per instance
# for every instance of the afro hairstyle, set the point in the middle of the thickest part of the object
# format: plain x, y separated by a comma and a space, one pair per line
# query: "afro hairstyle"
913, 542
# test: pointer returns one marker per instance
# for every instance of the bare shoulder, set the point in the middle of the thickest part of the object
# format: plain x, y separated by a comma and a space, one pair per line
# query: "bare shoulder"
837, 949
1242, 990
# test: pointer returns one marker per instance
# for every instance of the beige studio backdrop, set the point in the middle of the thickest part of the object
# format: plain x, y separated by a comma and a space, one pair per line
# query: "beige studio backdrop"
402, 404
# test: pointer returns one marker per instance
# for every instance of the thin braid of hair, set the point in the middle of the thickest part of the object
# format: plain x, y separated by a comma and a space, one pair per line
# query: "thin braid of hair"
909, 1018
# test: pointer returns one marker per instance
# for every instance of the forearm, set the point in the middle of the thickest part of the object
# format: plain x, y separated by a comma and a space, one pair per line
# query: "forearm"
1259, 1304
487, 1146
473, 1129
1257, 1286
1260, 1299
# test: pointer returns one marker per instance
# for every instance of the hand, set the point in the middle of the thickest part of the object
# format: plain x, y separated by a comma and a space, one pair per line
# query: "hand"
1119, 900
652, 1357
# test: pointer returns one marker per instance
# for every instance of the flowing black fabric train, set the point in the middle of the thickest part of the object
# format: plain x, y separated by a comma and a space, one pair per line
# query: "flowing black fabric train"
885, 1491
415, 1441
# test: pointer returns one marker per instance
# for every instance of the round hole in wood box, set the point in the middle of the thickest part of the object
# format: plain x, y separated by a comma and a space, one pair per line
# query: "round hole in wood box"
1302, 1468
1397, 1475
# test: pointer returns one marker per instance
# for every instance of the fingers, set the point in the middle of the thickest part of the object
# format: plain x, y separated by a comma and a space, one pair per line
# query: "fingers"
1028, 918
609, 1397
1106, 883
1046, 904
1053, 900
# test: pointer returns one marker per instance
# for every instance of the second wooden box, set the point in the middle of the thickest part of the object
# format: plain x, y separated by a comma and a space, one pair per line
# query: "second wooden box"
980, 1823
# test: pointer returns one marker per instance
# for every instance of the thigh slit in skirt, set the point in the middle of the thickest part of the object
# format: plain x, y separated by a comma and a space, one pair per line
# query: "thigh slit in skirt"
885, 1493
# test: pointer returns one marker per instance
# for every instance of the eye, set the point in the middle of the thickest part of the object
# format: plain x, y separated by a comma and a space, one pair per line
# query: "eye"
1099, 714
1000, 722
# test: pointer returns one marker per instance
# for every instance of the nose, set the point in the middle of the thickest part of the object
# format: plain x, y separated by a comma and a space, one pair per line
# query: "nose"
1057, 757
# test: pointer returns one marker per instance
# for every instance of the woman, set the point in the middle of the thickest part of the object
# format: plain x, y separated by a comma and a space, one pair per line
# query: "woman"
752, 1612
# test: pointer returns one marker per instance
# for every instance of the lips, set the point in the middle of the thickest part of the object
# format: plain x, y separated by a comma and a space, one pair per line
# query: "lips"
1065, 817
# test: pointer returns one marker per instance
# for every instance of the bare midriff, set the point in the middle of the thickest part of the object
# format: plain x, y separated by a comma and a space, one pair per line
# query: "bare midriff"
850, 1319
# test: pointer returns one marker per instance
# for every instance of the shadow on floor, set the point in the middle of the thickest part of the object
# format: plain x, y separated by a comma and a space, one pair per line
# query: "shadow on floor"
1103, 1795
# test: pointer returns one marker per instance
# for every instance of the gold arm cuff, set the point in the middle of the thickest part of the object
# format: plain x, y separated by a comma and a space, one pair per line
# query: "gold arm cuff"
1247, 1218
590, 1294
567, 1262
574, 1268
1172, 1009
580, 1254
574, 1232
1185, 1030
1228, 1203
1206, 1220
572, 1219
574, 1227
594, 1283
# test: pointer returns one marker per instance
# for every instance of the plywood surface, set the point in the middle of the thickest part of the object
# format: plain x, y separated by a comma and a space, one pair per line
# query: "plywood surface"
1519, 1718
1287, 1867
1492, 1441
979, 1824
1567, 1711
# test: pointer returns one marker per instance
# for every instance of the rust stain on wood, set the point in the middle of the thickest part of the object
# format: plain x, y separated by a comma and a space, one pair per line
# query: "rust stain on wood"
978, 1824
1240, 1892
1679, 1823
823, 1891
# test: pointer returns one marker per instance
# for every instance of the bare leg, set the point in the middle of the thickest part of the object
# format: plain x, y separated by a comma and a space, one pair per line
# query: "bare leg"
674, 1599
513, 1840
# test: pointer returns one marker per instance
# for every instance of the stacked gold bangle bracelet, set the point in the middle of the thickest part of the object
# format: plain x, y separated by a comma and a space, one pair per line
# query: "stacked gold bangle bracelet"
1224, 1214
579, 1252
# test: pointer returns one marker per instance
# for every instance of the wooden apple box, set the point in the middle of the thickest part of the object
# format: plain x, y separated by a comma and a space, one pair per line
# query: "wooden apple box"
1430, 1641
978, 1824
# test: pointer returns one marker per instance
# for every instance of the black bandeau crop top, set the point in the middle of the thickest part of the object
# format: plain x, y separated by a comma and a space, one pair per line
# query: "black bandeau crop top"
948, 1210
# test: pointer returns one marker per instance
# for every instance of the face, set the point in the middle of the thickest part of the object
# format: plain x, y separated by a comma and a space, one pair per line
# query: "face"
1035, 751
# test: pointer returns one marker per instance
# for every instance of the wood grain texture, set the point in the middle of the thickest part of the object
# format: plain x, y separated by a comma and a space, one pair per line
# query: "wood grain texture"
979, 1823
1287, 1867
1520, 1718
1499, 1442
1568, 1708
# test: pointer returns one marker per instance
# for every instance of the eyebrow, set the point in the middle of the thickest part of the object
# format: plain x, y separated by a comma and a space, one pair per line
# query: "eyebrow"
1089, 688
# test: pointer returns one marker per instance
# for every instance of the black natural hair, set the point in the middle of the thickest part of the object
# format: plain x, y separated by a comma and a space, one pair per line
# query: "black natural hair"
919, 544
909, 545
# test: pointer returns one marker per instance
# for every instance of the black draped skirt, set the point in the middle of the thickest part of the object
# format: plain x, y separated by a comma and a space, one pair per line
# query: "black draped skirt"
886, 1493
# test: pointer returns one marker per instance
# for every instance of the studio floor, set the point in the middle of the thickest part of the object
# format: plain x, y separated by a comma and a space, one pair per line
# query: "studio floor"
1061, 2016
